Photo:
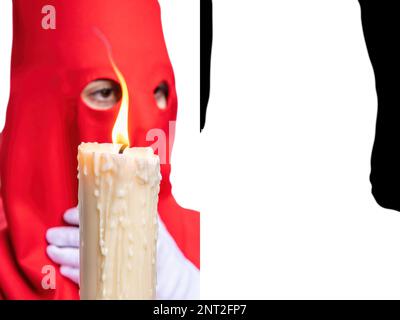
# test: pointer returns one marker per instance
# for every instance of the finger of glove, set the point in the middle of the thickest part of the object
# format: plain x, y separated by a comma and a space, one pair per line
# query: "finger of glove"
71, 216
64, 256
63, 236
70, 273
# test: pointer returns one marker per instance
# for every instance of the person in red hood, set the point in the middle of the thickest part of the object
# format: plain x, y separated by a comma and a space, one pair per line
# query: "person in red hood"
64, 91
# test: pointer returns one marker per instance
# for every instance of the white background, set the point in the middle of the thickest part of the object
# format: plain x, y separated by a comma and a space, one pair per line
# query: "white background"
281, 171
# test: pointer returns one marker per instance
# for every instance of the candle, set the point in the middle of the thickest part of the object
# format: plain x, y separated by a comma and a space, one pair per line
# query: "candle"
118, 196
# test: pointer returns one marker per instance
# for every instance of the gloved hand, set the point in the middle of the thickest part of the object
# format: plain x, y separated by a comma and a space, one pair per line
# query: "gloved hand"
63, 246
177, 277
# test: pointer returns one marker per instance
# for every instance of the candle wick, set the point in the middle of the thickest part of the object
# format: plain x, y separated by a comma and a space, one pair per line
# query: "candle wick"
123, 147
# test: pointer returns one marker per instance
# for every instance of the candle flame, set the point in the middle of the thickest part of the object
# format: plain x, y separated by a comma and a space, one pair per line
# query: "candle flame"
120, 132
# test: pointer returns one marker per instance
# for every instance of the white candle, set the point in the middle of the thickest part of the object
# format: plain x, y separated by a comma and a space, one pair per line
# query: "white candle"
118, 197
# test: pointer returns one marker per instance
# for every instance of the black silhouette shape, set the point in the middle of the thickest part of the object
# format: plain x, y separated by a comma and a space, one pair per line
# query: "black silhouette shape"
206, 36
380, 25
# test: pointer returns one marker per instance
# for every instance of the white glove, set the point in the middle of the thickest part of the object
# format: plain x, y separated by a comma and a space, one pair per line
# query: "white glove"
64, 246
177, 277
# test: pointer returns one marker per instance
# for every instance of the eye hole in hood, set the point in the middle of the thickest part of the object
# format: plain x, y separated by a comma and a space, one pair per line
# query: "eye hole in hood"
161, 95
102, 94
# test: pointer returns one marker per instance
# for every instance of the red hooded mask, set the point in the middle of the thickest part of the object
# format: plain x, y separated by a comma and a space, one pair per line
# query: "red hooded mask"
47, 119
